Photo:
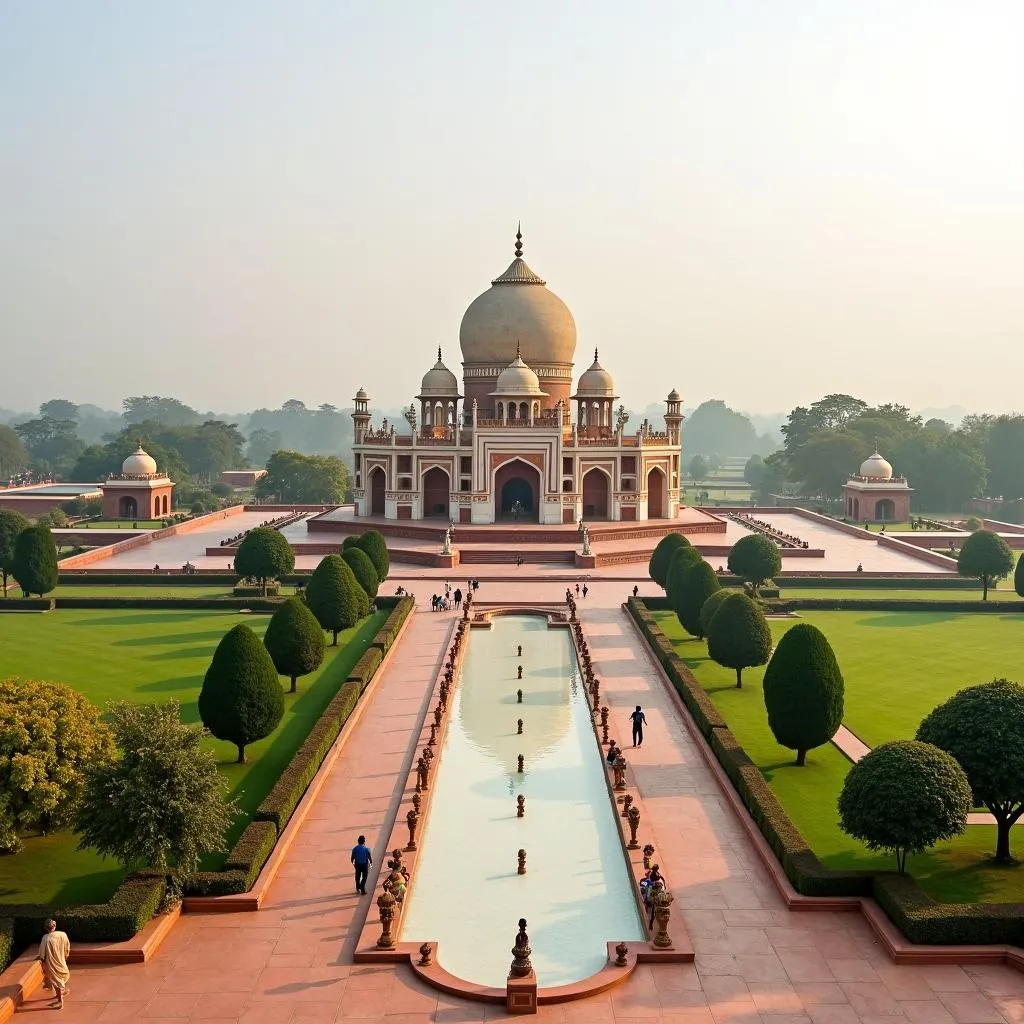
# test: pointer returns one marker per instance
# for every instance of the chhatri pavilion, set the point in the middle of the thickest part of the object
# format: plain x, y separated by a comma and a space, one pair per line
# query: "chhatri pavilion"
516, 442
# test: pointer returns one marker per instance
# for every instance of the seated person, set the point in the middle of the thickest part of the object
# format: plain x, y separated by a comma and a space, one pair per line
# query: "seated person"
613, 753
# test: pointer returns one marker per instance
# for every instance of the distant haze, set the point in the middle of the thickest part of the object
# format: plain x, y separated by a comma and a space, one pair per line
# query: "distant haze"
244, 201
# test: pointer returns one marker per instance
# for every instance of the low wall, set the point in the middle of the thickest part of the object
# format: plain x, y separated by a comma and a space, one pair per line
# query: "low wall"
943, 561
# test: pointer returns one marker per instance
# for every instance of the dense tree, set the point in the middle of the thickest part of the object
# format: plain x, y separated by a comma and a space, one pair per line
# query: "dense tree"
698, 468
161, 803
55, 519
351, 541
264, 554
211, 448
99, 461
332, 594
822, 465
985, 556
803, 691
682, 561
1003, 448
363, 569
168, 411
59, 409
304, 479
294, 427
983, 728
35, 561
50, 735
14, 456
52, 444
295, 640
1018, 575
699, 583
711, 606
904, 797
714, 427
829, 413
262, 444
739, 636
755, 559
661, 557
11, 524
753, 471
376, 550
241, 700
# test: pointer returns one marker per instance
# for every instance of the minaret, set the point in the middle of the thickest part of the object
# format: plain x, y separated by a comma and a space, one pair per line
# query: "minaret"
673, 416
361, 415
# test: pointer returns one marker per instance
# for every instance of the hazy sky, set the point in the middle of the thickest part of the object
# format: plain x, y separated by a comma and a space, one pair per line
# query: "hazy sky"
238, 202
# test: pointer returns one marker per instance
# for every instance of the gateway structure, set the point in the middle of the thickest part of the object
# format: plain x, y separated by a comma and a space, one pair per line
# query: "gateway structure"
515, 443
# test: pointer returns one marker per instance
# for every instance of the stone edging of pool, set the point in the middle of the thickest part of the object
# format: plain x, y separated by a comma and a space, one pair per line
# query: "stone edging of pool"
899, 950
409, 952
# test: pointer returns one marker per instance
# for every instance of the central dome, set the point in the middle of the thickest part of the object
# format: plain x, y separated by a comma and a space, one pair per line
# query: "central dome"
517, 311
876, 468
139, 463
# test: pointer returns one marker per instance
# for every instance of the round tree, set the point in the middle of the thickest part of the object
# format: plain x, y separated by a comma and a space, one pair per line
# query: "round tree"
332, 595
362, 568
51, 734
739, 636
661, 557
264, 554
985, 556
711, 606
683, 560
295, 640
904, 797
373, 544
351, 541
241, 700
803, 690
1018, 577
11, 524
35, 561
697, 585
983, 728
755, 560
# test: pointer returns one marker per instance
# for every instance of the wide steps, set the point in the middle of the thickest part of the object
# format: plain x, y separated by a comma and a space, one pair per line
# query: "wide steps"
502, 556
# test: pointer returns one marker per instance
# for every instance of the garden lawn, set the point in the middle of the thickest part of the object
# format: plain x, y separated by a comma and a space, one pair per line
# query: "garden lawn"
151, 656
1005, 592
897, 666
119, 524
149, 591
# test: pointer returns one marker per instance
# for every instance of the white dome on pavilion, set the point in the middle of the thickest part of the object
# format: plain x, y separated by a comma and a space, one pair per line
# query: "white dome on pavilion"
876, 468
139, 463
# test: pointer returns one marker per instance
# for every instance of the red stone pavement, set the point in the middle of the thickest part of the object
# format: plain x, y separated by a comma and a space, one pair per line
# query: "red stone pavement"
756, 962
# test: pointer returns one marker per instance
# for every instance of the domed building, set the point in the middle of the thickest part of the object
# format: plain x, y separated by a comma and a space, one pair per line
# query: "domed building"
874, 494
514, 451
139, 491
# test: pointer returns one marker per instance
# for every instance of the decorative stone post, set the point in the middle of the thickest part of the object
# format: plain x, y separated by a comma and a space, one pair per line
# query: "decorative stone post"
521, 951
433, 734
519, 727
522, 863
437, 716
620, 772
519, 672
627, 803
519, 696
426, 955
520, 806
519, 650
521, 985
412, 820
416, 801
386, 906
421, 775
604, 726
662, 900
634, 824
521, 768
621, 952
648, 854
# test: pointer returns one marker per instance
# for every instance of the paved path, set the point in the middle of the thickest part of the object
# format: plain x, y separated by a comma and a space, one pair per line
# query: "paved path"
756, 962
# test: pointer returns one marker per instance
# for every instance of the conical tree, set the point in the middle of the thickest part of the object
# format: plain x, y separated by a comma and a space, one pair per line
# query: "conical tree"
755, 559
683, 560
373, 544
35, 561
11, 524
711, 606
351, 541
699, 583
1018, 577
241, 700
803, 690
295, 640
264, 554
661, 557
363, 570
332, 595
739, 636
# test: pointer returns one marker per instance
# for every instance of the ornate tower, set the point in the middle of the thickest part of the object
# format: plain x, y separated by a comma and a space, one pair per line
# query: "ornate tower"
361, 415
673, 417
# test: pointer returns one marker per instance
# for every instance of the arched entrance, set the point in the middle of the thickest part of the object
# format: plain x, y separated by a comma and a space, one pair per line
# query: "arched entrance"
128, 507
656, 494
885, 510
377, 492
856, 509
436, 491
517, 492
595, 494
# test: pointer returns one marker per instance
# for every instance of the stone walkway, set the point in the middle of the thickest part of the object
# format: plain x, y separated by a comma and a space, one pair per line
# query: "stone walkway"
756, 962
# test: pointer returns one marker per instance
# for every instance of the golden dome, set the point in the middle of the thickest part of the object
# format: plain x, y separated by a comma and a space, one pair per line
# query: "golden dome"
876, 467
139, 463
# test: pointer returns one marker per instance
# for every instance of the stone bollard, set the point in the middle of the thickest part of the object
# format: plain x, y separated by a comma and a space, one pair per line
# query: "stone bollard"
519, 650
604, 726
428, 754
522, 863
412, 819
416, 801
422, 779
520, 806
433, 734
426, 958
386, 906
521, 951
634, 824
627, 803
621, 952
648, 854
620, 772
437, 716
522, 762
662, 900
519, 696
519, 727
519, 672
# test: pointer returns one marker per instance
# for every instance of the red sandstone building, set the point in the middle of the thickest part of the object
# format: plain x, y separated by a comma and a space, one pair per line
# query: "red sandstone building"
875, 495
138, 491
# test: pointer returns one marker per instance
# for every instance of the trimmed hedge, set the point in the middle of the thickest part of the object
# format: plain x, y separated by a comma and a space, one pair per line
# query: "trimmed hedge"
244, 590
864, 582
253, 604
363, 670
6, 942
869, 604
147, 578
26, 604
242, 867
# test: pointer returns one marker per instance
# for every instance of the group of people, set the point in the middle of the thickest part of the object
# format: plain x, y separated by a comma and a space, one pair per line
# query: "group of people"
581, 591
446, 601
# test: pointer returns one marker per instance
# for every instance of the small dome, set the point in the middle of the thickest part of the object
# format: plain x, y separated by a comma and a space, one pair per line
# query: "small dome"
139, 463
596, 382
517, 380
876, 467
439, 381
361, 395
673, 396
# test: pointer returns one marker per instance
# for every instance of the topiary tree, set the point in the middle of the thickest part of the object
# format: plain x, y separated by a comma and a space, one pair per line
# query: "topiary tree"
692, 592
241, 700
683, 560
973, 523
803, 690
739, 636
332, 595
985, 556
661, 557
264, 554
363, 570
373, 544
711, 606
11, 524
161, 803
1018, 577
755, 559
351, 541
35, 561
50, 736
904, 797
983, 728
294, 640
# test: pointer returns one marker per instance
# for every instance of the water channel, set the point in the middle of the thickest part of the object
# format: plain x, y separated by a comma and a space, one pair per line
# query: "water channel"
577, 891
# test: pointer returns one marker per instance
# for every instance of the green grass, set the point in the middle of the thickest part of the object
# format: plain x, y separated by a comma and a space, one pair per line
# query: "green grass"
1004, 593
897, 666
150, 591
119, 524
151, 656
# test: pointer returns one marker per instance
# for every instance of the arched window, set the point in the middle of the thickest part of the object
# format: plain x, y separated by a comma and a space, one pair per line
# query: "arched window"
536, 410
501, 410
524, 411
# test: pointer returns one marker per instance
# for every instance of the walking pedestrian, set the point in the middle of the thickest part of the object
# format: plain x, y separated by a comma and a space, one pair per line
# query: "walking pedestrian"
584, 591
362, 859
639, 720
53, 954
636, 590
458, 598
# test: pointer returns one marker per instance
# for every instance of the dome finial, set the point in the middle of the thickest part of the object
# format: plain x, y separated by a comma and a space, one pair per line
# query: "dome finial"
595, 353
518, 356
439, 353
519, 240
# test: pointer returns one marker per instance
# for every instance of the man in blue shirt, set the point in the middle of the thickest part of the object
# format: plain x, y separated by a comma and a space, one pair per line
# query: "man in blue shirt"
639, 720
362, 859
